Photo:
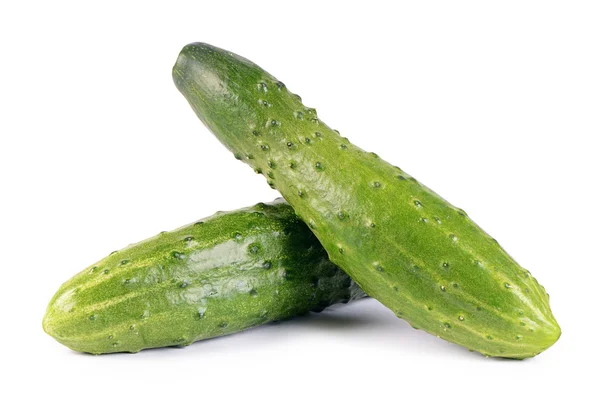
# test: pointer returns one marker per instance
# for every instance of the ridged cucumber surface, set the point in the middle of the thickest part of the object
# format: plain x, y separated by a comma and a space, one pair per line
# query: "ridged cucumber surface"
402, 243
221, 275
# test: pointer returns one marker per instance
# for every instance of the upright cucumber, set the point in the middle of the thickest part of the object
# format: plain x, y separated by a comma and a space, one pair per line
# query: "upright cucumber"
403, 244
221, 275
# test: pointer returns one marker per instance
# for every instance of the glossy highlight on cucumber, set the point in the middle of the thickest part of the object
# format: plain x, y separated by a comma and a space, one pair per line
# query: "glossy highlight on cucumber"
221, 275
422, 257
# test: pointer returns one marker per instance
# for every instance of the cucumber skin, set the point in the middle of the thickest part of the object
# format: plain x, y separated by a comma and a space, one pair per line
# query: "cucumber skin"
224, 274
403, 244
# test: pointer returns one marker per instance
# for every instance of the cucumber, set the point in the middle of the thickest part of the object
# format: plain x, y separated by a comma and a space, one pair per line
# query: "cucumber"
221, 275
423, 258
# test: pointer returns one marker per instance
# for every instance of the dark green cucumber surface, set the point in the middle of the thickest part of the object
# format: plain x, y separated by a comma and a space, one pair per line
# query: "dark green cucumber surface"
221, 275
402, 243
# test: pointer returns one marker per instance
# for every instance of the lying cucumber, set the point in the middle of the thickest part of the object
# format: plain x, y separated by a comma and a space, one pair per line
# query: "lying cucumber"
403, 244
218, 276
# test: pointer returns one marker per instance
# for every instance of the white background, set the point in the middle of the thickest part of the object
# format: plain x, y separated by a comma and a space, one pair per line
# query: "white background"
494, 105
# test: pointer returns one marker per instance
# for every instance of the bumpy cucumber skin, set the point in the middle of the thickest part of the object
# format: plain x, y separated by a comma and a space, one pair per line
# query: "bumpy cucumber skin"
221, 275
402, 243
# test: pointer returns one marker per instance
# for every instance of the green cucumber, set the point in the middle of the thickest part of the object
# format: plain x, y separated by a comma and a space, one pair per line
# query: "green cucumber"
423, 258
221, 275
